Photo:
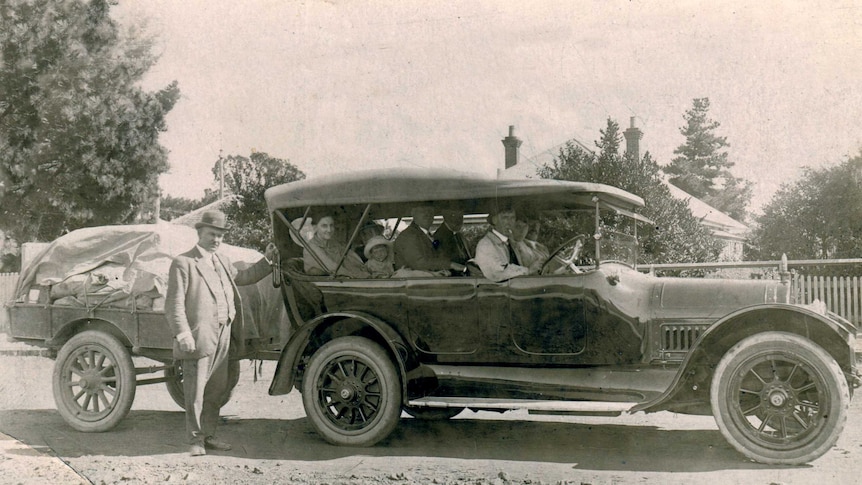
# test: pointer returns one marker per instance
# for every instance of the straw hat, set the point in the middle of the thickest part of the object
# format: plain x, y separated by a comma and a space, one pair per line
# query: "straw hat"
374, 242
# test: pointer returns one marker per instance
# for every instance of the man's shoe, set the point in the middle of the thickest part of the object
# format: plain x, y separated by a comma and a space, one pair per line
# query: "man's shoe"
197, 450
215, 444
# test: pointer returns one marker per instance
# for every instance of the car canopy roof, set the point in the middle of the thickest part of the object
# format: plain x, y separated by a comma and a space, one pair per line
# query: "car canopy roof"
399, 188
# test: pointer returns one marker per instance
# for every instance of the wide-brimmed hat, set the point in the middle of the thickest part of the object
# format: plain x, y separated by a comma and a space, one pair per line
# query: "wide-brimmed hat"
213, 218
306, 230
374, 242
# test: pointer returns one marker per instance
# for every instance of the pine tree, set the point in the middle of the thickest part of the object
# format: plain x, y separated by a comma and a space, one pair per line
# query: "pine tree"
702, 167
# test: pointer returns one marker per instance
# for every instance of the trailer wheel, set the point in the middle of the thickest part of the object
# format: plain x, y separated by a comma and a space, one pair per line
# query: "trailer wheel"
93, 381
174, 382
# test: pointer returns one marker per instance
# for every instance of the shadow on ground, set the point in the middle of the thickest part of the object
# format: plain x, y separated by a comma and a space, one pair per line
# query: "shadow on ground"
589, 447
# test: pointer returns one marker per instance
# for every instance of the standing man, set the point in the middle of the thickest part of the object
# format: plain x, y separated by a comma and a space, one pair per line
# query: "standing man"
416, 248
451, 241
201, 303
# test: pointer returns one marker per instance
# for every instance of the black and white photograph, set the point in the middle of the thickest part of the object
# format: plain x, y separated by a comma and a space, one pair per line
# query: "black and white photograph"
393, 242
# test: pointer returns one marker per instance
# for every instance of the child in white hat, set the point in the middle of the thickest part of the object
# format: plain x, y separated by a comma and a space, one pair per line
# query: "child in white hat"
380, 261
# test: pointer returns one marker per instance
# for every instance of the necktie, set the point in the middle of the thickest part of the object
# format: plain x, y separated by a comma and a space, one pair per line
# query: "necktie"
513, 257
462, 248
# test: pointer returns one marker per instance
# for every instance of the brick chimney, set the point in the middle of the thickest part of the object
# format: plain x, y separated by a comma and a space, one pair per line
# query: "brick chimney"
512, 143
633, 136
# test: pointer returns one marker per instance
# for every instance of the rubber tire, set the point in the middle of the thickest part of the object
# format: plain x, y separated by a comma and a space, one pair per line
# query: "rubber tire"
83, 416
378, 361
175, 386
818, 364
432, 414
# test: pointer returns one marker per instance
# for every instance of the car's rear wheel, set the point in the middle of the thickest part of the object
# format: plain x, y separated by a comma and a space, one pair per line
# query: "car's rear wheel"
778, 398
432, 414
351, 392
94, 381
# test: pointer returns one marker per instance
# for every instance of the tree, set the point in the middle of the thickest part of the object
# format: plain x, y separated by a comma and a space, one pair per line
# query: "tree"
816, 217
78, 138
247, 179
702, 167
677, 236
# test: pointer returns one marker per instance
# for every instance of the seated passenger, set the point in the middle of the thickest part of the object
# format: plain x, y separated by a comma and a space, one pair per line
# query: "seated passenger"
415, 247
495, 254
451, 241
368, 231
531, 253
329, 252
380, 262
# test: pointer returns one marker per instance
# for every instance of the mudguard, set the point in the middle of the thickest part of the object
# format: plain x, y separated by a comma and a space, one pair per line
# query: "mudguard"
826, 328
285, 371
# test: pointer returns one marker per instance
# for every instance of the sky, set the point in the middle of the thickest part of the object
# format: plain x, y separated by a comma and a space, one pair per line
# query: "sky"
337, 86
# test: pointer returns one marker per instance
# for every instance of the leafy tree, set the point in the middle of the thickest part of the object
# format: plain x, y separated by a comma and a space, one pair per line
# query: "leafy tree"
78, 138
247, 179
677, 236
702, 167
816, 217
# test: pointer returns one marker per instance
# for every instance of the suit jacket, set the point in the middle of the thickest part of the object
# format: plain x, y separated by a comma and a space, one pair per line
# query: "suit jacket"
450, 246
492, 257
190, 303
414, 250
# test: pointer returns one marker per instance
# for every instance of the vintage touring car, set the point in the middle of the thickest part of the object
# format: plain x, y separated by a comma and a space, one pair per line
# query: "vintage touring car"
596, 339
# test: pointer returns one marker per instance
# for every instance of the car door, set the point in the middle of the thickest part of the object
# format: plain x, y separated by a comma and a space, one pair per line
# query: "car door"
547, 319
443, 316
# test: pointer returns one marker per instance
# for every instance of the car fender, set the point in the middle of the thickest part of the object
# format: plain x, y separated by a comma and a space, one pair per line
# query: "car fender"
298, 346
692, 379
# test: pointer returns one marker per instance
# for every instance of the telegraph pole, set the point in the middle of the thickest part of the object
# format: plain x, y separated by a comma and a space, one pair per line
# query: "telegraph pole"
220, 175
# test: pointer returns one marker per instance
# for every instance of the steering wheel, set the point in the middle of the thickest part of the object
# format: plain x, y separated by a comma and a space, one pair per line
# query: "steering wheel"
577, 244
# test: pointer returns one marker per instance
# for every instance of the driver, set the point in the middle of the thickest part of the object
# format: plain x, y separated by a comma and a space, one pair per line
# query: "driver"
495, 256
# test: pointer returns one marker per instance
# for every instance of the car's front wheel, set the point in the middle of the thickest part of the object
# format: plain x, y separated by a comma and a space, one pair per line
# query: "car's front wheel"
351, 392
778, 398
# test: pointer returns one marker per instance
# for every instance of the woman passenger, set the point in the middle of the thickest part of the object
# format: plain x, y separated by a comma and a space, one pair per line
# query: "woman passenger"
329, 252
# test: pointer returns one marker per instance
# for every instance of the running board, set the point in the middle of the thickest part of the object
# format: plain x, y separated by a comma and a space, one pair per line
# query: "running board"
593, 408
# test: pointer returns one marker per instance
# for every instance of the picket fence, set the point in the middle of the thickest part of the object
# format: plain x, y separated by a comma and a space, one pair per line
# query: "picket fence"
842, 294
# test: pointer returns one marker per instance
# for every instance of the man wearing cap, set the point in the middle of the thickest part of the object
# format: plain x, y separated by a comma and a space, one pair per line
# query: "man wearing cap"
495, 255
201, 303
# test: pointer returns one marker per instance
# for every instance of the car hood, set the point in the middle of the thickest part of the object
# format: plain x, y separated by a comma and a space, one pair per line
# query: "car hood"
713, 298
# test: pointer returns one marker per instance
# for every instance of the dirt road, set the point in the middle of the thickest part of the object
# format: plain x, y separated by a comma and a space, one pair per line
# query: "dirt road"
274, 443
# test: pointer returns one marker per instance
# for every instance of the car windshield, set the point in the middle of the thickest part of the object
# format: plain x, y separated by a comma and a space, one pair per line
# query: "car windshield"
618, 247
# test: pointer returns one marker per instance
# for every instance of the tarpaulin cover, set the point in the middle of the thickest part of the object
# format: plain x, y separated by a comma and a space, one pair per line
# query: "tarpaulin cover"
127, 267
